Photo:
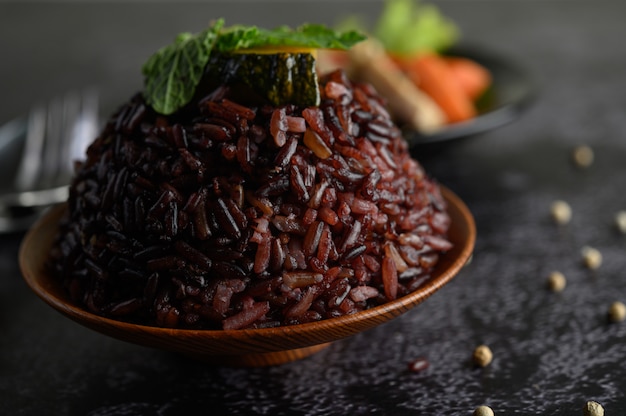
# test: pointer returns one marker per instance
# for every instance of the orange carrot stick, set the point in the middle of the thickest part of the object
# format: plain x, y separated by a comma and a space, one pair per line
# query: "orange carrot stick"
471, 76
432, 75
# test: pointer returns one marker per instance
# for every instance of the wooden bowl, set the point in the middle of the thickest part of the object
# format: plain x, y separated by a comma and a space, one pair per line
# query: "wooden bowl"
244, 347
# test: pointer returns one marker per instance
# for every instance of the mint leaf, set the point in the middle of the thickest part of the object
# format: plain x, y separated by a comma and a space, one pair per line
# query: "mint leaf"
173, 73
306, 36
324, 37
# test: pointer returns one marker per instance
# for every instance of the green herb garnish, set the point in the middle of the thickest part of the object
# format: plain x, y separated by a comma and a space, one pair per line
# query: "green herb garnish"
306, 36
173, 73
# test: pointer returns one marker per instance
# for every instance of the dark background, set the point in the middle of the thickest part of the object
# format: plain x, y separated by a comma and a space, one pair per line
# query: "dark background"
552, 352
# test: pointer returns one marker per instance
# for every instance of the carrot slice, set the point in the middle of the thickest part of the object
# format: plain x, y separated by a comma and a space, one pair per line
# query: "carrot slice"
471, 76
431, 74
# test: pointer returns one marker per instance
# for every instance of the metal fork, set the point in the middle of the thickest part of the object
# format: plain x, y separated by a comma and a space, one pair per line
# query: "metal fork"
57, 135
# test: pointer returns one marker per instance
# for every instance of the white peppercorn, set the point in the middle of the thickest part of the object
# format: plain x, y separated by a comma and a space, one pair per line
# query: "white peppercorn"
582, 156
556, 281
561, 212
620, 221
592, 258
617, 312
483, 411
482, 356
592, 408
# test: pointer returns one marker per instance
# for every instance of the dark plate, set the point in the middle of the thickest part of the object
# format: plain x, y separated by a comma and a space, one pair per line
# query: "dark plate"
511, 91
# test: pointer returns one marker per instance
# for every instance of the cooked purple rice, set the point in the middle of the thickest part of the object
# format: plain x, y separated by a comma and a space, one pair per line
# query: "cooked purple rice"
231, 216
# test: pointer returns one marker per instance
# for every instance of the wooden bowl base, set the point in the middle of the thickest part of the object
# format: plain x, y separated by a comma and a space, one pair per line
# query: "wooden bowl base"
261, 359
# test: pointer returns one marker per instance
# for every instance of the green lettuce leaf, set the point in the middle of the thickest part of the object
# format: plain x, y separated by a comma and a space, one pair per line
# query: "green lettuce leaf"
173, 73
408, 27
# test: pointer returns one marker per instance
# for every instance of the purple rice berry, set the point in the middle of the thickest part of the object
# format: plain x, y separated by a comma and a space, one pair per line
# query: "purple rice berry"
230, 216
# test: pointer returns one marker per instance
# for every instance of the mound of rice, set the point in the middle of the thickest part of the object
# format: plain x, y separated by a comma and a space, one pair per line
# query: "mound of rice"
227, 216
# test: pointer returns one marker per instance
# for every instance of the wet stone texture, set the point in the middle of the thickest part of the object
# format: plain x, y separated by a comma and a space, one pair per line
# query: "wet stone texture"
552, 352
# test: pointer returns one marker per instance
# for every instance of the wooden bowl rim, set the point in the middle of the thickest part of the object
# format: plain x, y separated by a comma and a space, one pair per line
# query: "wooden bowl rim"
462, 232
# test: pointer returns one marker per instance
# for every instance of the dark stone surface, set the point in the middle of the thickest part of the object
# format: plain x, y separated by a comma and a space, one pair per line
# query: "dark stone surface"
552, 352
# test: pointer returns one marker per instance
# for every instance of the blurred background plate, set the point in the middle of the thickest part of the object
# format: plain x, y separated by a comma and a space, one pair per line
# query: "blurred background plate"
511, 91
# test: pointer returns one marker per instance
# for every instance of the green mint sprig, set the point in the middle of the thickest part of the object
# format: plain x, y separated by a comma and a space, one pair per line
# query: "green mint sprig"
173, 73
